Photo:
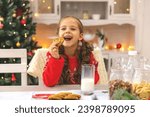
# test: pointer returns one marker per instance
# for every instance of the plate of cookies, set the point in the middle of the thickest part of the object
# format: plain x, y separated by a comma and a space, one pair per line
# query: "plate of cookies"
57, 96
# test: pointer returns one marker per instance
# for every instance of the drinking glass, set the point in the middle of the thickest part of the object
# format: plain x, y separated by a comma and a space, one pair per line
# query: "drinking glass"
87, 79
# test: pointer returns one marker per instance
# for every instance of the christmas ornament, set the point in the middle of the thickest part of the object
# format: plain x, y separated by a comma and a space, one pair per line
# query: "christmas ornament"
1, 25
118, 45
23, 21
1, 19
30, 53
14, 15
18, 44
13, 78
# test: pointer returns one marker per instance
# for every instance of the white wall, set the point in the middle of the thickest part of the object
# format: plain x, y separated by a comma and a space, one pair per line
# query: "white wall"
145, 45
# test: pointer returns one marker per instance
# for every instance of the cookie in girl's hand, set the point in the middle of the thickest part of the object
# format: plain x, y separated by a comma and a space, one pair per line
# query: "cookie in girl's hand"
60, 40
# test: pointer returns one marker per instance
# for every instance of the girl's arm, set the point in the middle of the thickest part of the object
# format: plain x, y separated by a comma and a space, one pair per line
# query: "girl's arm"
52, 70
93, 61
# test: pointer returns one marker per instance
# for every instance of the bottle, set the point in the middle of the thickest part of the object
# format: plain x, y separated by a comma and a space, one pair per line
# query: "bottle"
133, 59
131, 65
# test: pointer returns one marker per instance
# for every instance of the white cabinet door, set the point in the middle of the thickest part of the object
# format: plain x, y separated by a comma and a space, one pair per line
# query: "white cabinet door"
122, 9
46, 11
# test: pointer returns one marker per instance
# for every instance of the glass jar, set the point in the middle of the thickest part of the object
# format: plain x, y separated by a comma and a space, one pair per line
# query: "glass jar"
85, 14
141, 75
120, 78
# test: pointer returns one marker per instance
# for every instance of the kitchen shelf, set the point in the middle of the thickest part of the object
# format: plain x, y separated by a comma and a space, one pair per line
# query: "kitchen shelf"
106, 22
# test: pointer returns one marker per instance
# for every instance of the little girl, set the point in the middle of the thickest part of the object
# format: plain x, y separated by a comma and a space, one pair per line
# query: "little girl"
64, 62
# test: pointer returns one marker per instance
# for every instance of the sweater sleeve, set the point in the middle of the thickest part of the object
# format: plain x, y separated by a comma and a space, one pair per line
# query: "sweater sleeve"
93, 61
52, 70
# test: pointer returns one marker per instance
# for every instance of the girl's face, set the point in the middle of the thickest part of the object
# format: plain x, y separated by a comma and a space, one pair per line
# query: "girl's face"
70, 31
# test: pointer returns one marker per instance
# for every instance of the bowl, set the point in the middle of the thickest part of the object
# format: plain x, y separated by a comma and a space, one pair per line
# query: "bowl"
96, 16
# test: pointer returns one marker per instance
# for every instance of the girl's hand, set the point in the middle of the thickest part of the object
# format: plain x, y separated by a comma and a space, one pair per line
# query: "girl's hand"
54, 49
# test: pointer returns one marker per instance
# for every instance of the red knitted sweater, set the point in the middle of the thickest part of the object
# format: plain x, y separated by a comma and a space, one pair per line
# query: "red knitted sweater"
54, 67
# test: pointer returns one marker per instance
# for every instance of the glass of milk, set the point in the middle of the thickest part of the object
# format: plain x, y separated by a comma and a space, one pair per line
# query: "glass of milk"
87, 79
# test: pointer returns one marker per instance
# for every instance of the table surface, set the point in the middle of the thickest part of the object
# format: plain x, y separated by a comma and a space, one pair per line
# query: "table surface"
44, 88
100, 93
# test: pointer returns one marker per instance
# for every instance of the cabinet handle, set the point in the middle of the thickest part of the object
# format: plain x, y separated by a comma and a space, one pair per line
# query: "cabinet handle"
57, 9
110, 10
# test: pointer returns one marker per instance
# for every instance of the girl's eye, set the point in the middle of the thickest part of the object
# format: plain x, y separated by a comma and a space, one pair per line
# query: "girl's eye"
69, 28
62, 28
73, 28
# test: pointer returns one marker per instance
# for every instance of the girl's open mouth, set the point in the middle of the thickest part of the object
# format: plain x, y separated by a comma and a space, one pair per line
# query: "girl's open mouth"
67, 38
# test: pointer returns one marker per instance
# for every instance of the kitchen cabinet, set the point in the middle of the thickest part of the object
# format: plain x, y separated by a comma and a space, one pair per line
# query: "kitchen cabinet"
45, 11
122, 9
90, 12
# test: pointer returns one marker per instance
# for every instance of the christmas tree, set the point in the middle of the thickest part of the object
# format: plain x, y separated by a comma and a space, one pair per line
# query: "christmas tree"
16, 31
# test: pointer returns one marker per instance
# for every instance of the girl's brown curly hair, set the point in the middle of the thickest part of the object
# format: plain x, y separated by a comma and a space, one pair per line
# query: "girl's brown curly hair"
83, 55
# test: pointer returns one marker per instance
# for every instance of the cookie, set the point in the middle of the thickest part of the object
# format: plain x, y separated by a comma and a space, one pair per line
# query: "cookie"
54, 97
72, 97
59, 40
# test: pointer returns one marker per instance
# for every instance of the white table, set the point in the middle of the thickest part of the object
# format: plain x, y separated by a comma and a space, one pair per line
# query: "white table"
100, 93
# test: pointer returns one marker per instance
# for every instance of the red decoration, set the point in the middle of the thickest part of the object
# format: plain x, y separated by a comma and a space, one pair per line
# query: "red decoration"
23, 21
18, 12
1, 25
13, 78
30, 53
118, 46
